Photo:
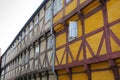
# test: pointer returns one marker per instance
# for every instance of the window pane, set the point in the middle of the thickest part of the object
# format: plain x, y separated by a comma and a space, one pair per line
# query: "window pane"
48, 14
73, 30
31, 52
57, 6
49, 42
36, 50
67, 1
36, 20
31, 26
43, 46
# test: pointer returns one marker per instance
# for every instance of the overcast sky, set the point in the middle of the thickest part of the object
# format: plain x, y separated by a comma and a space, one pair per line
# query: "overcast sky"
13, 15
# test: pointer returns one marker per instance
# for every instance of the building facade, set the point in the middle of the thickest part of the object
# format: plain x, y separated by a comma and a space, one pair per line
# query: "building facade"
67, 40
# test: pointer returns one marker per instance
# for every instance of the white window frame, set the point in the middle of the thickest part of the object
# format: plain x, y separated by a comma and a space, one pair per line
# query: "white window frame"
73, 30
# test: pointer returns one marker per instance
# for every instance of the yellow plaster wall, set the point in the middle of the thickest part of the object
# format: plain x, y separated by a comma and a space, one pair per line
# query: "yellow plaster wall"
94, 41
59, 54
81, 1
74, 48
116, 31
102, 75
63, 77
60, 40
113, 9
78, 69
58, 16
62, 71
100, 65
58, 28
71, 7
94, 22
91, 7
81, 76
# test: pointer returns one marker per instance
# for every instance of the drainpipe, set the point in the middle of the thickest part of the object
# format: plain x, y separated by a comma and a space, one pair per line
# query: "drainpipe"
53, 41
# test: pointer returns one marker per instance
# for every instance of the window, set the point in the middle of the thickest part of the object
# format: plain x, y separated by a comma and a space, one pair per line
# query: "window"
49, 42
57, 6
37, 50
23, 35
48, 14
31, 26
31, 52
26, 56
67, 1
36, 20
73, 30
22, 61
30, 35
43, 45
20, 38
27, 31
36, 64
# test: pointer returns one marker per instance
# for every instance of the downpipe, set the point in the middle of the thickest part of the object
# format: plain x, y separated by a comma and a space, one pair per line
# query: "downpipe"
53, 41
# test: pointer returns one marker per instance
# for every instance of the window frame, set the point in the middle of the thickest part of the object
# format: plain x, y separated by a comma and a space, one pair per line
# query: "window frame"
72, 32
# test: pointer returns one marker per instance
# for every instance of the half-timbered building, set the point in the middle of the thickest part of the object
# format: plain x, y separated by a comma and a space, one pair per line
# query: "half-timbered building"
67, 40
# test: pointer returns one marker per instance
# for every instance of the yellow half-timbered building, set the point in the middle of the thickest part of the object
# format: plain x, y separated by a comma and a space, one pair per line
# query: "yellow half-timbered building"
67, 40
